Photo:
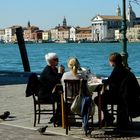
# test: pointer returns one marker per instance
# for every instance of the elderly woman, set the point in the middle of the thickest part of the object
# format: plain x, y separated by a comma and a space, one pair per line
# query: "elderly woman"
49, 77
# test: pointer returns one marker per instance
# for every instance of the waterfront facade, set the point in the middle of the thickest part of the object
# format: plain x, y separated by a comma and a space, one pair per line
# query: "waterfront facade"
46, 36
2, 35
37, 36
72, 34
133, 34
10, 36
54, 34
83, 34
63, 33
103, 27
28, 31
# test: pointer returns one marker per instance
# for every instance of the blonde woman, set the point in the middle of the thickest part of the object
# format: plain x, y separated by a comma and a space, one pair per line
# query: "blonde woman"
75, 72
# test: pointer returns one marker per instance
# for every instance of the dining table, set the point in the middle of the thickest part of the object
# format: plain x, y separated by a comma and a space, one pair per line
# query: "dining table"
95, 86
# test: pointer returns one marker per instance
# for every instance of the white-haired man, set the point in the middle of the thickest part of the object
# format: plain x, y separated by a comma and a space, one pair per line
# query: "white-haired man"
49, 77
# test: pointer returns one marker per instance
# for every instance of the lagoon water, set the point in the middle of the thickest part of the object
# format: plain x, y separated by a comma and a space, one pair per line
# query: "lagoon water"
91, 55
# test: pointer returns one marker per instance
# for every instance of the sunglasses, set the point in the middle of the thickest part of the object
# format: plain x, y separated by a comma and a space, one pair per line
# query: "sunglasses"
55, 59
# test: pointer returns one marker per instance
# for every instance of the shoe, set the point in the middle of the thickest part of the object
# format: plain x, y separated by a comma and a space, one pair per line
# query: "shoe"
51, 119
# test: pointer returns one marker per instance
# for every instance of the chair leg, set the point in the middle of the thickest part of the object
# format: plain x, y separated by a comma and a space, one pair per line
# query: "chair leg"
35, 114
39, 113
54, 116
66, 121
66, 130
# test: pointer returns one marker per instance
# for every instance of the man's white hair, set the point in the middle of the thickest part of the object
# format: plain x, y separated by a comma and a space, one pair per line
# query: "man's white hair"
50, 56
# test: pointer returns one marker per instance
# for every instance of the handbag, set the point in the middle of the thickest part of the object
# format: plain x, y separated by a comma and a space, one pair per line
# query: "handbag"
76, 104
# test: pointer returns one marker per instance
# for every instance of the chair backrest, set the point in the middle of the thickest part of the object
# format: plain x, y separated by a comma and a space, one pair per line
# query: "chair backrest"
72, 88
130, 87
33, 85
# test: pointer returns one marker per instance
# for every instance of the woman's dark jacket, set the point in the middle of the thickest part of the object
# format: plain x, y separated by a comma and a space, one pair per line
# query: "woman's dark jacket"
124, 86
115, 79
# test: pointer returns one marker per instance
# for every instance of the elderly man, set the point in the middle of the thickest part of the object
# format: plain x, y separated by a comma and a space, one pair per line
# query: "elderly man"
49, 77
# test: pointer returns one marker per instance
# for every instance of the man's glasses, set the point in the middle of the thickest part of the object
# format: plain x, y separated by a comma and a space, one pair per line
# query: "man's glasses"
55, 59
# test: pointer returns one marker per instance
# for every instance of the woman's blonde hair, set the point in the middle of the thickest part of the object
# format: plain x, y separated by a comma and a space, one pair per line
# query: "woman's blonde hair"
74, 65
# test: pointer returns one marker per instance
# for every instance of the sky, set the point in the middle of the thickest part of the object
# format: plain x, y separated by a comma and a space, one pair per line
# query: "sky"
47, 14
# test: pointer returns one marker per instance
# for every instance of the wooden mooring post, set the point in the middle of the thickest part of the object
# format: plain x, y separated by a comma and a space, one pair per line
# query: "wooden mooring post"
22, 48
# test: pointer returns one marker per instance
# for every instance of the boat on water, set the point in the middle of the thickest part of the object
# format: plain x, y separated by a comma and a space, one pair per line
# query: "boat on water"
61, 41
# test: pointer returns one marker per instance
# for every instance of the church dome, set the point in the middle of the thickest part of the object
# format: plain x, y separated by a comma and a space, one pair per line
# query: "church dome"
130, 13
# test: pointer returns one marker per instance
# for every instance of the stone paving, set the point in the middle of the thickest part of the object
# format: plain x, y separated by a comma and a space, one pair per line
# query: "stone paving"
8, 132
19, 126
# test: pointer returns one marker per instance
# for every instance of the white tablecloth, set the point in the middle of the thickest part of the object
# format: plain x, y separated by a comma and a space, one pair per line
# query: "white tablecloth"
93, 83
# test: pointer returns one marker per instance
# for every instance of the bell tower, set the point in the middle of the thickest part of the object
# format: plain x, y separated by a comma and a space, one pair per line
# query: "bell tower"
64, 22
28, 24
118, 11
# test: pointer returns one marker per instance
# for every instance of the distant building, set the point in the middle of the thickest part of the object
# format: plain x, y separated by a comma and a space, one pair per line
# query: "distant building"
10, 34
72, 34
2, 35
131, 17
83, 34
28, 31
133, 26
54, 34
46, 36
103, 27
133, 34
37, 36
61, 33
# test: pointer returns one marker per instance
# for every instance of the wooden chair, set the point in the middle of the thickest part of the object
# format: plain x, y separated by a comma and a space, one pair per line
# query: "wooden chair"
71, 90
40, 109
121, 110
32, 90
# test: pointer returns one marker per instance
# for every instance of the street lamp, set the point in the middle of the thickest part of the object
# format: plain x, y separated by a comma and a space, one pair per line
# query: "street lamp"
123, 31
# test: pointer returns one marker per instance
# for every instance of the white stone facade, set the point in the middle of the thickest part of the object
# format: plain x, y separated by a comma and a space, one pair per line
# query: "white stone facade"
8, 35
72, 34
103, 27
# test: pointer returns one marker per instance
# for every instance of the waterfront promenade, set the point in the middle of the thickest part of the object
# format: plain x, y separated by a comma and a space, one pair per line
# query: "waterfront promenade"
19, 126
